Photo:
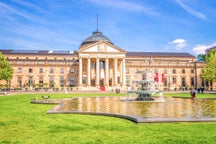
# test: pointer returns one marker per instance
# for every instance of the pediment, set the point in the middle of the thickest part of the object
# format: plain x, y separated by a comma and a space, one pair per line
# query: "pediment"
102, 47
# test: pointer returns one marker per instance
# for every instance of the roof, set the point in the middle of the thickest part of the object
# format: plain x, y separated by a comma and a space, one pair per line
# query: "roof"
159, 54
133, 54
95, 37
39, 52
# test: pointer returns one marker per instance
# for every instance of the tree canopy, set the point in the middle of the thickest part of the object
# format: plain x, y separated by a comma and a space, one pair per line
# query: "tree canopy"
6, 71
201, 57
209, 71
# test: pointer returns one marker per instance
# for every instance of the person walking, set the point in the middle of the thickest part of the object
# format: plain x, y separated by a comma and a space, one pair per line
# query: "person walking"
193, 94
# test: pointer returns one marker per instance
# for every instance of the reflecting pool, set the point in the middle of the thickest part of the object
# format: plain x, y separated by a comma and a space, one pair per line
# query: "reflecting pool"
170, 110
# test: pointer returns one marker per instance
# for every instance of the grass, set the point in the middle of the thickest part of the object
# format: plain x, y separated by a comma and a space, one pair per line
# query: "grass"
23, 122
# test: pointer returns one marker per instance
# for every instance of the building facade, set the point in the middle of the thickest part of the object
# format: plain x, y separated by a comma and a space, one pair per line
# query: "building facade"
100, 64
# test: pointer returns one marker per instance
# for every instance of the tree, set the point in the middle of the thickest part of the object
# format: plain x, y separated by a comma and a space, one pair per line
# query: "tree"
209, 71
201, 57
6, 71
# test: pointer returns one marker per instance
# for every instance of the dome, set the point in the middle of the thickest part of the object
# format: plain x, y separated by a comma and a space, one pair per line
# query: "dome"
95, 37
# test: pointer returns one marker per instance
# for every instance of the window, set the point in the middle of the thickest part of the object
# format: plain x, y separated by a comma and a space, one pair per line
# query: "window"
183, 71
62, 81
173, 64
192, 71
84, 80
182, 64
93, 65
40, 80
127, 81
174, 71
51, 62
165, 71
30, 62
62, 70
41, 62
30, 81
174, 80
51, 82
71, 70
41, 70
30, 70
19, 82
192, 81
102, 64
72, 81
19, 70
51, 70
183, 82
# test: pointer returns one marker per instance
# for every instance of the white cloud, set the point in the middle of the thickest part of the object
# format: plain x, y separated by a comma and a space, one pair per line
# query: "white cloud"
16, 11
190, 10
200, 49
179, 43
130, 6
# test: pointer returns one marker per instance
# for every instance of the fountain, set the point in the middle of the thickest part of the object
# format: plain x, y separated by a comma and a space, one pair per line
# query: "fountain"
144, 86
145, 108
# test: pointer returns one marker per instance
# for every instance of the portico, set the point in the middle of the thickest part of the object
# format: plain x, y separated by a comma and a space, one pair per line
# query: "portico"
101, 63
100, 71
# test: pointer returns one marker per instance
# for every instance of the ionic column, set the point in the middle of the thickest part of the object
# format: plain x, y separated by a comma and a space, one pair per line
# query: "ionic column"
123, 71
115, 71
80, 71
89, 72
107, 71
97, 72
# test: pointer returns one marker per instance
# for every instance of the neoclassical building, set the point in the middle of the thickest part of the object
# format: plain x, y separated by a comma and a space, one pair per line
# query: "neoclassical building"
100, 64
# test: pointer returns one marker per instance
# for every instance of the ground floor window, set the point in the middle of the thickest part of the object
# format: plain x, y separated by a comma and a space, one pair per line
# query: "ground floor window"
101, 82
93, 82
183, 82
51, 82
192, 81
62, 81
174, 80
19, 82
30, 81
127, 81
84, 80
71, 81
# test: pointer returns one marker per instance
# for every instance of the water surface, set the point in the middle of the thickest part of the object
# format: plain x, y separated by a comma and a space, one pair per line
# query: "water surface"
171, 109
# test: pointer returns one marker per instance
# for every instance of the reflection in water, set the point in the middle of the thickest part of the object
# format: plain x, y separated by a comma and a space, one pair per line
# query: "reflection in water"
170, 108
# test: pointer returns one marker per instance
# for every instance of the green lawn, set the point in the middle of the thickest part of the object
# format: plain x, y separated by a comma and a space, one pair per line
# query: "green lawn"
23, 122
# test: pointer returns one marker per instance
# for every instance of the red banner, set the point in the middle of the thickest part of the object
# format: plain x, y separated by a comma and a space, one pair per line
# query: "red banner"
162, 77
156, 77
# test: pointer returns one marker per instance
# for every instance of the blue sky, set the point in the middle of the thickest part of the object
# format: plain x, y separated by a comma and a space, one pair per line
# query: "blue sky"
133, 25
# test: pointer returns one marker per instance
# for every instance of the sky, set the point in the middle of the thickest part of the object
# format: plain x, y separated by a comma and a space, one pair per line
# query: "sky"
133, 25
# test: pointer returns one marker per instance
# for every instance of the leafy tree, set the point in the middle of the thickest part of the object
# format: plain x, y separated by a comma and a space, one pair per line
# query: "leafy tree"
6, 71
201, 57
209, 71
